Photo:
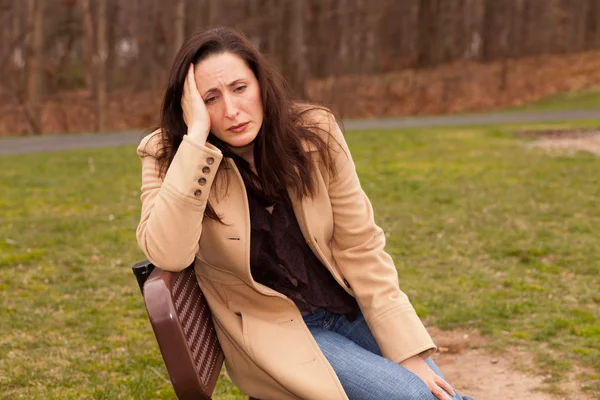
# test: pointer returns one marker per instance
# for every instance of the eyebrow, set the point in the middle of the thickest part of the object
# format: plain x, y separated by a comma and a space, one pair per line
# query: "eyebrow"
230, 85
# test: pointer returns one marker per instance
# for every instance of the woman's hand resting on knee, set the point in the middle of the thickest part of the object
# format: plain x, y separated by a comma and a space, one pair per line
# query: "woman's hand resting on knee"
434, 382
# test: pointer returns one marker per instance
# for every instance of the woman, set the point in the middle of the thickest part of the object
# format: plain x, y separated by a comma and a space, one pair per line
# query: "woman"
261, 194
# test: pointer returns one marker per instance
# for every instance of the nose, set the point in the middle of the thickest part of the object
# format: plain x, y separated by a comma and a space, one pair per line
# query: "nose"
231, 110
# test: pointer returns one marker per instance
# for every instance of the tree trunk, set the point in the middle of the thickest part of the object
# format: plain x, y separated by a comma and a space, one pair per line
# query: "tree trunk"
88, 48
114, 8
426, 33
345, 31
34, 65
488, 33
591, 25
100, 60
298, 47
276, 14
213, 12
178, 26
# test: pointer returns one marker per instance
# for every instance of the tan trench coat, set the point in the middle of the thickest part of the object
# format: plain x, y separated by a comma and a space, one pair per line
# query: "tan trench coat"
270, 353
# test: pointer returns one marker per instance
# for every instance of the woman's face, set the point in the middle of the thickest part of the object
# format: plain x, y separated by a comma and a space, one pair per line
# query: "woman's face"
231, 93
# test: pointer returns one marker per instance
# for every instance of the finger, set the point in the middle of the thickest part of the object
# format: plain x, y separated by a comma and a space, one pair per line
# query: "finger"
188, 78
190, 74
191, 79
185, 96
186, 85
444, 385
439, 393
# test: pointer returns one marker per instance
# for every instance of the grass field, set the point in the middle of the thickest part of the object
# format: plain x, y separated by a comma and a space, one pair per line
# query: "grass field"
485, 234
581, 100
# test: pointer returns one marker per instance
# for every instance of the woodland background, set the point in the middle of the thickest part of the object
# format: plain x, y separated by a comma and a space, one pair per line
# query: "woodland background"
101, 65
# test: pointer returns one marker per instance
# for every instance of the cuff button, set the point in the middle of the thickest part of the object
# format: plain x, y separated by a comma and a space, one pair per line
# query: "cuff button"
206, 170
197, 192
210, 160
202, 181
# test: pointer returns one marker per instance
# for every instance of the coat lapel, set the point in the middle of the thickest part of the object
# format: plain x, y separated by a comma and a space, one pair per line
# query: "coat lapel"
227, 245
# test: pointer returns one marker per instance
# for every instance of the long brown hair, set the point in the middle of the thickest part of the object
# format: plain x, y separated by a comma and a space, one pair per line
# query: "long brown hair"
280, 159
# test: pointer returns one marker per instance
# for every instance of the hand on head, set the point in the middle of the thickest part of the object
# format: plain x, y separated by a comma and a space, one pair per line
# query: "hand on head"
195, 113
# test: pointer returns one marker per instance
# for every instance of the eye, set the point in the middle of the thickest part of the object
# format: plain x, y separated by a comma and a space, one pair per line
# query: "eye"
240, 88
210, 100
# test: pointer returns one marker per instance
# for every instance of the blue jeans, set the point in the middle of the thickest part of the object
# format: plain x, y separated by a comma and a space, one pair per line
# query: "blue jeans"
350, 348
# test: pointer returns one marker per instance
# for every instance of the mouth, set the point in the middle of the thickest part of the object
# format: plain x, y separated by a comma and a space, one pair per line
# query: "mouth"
239, 127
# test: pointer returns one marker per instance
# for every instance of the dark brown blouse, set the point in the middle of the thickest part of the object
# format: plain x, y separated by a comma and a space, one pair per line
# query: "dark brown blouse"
281, 259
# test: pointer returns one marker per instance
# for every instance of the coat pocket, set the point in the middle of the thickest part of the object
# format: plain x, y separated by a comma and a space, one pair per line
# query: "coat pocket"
244, 317
267, 339
285, 350
243, 320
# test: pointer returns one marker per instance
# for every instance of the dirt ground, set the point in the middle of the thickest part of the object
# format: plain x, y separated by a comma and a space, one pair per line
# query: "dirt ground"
484, 376
563, 140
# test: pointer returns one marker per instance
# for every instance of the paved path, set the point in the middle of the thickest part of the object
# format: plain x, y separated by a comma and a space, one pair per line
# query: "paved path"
47, 143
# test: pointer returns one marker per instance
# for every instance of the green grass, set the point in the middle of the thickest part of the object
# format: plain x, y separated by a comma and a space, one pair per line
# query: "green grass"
580, 100
485, 234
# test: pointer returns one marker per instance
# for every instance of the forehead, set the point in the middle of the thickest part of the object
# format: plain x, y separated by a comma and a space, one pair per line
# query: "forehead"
220, 69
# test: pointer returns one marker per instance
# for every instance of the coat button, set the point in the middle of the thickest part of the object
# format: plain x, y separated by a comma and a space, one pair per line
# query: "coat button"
206, 170
197, 192
210, 160
202, 181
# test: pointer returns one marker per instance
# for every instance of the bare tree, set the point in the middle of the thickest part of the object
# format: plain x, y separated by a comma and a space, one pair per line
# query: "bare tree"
178, 26
34, 65
298, 46
426, 32
100, 62
276, 10
88, 47
213, 11
592, 24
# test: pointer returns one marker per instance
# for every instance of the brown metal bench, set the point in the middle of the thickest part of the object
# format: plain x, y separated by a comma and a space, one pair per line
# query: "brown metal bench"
183, 327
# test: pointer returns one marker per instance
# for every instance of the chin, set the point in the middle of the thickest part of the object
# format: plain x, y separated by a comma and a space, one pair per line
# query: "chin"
242, 140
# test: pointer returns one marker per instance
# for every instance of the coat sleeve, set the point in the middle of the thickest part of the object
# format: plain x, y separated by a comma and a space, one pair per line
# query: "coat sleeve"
358, 250
173, 207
